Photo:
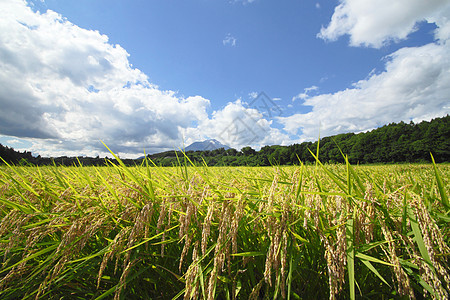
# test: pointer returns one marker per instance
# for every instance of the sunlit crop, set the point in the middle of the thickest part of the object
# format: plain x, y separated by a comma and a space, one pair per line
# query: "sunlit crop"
300, 232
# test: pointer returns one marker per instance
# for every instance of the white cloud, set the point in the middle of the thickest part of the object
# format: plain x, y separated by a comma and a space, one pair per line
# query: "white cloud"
237, 125
14, 141
414, 86
305, 93
229, 40
65, 88
73, 88
375, 23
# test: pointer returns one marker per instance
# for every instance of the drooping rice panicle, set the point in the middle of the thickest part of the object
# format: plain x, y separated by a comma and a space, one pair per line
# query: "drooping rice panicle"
322, 231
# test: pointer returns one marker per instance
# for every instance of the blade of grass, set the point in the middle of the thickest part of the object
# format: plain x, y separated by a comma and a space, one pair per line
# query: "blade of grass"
129, 279
440, 183
365, 257
372, 268
418, 238
37, 254
337, 179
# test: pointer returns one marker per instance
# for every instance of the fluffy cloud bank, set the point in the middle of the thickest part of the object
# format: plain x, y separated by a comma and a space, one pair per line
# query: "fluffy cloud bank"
415, 84
66, 88
238, 124
374, 23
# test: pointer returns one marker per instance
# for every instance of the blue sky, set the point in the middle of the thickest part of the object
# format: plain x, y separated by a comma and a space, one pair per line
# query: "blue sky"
180, 45
157, 74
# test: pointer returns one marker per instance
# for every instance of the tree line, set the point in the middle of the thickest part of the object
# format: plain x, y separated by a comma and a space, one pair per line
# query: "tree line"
393, 143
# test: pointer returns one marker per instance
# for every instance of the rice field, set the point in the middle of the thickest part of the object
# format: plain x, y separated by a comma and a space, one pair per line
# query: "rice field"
190, 232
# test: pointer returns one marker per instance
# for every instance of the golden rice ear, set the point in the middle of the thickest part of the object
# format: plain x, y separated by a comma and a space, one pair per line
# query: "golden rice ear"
207, 226
210, 233
432, 239
403, 282
113, 249
122, 281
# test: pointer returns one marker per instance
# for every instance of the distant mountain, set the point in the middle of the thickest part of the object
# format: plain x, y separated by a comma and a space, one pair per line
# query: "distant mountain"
211, 144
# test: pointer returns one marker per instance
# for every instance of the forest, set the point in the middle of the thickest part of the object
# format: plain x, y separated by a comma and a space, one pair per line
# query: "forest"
392, 143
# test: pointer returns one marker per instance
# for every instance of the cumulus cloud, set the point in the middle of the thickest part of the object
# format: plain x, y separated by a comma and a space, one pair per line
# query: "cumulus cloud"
238, 125
14, 142
66, 88
305, 93
73, 88
375, 23
414, 86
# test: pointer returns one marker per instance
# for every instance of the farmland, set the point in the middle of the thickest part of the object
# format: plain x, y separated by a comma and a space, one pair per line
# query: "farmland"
197, 232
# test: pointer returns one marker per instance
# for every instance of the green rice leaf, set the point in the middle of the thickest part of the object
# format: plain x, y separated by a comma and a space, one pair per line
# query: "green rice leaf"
372, 268
418, 238
441, 186
372, 259
246, 254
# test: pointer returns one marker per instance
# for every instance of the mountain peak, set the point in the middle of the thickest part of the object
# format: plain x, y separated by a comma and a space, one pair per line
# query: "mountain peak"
210, 144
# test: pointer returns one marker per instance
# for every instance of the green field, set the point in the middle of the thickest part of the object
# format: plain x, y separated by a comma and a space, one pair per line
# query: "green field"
298, 232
